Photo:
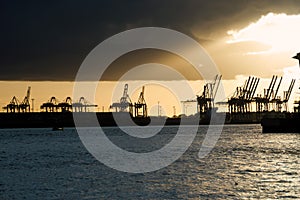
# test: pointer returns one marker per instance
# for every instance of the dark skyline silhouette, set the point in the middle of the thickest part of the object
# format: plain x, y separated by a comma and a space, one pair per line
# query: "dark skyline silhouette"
46, 40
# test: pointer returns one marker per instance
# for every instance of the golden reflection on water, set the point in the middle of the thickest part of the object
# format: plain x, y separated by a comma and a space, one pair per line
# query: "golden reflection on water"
245, 164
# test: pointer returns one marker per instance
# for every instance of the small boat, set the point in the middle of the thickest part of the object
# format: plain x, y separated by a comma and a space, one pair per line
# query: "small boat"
57, 128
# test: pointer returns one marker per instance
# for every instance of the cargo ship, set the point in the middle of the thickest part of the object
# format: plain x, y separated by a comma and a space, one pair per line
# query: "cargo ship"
290, 123
287, 123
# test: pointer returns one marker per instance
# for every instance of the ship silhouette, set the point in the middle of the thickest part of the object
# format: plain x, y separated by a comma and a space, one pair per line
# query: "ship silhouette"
288, 123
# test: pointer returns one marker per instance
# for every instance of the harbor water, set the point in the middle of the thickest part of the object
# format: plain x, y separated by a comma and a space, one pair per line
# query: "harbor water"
244, 164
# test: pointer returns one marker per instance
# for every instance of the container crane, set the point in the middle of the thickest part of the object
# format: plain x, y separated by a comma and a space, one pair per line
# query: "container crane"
13, 106
82, 105
125, 102
251, 92
242, 99
276, 100
141, 106
65, 106
262, 102
51, 105
25, 104
287, 95
206, 100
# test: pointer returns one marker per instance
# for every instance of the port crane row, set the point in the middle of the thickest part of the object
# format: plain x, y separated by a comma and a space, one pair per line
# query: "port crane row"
53, 105
240, 102
244, 97
138, 109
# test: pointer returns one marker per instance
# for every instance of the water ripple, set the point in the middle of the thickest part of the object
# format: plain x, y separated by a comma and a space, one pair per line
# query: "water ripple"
245, 164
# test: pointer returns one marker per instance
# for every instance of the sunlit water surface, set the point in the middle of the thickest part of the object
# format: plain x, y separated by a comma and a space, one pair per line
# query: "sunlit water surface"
245, 164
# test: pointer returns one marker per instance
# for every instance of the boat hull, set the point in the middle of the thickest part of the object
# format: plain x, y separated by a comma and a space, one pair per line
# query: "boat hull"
290, 124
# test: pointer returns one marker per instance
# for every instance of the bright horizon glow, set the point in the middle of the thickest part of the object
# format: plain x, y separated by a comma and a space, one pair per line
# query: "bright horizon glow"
279, 31
107, 93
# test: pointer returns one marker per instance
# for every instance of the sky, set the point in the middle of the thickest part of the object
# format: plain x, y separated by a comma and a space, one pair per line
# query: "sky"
43, 43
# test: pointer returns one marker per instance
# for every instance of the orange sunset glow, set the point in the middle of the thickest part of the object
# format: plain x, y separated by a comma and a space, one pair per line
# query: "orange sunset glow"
257, 49
150, 99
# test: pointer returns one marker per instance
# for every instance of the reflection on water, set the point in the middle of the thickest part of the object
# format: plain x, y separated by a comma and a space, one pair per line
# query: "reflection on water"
45, 164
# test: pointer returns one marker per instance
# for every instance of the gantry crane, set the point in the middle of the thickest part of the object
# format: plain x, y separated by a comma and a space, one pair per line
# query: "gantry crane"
51, 105
140, 107
125, 102
65, 106
206, 100
25, 104
82, 105
276, 101
262, 102
242, 99
15, 105
287, 95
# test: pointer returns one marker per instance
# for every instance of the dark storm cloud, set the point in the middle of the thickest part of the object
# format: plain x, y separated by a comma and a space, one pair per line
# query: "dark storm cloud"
48, 40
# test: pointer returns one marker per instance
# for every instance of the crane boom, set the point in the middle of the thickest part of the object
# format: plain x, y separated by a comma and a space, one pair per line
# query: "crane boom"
272, 88
255, 87
217, 85
288, 93
276, 92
